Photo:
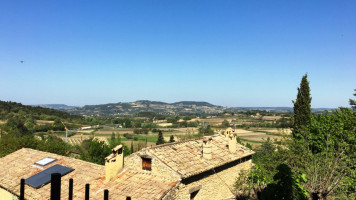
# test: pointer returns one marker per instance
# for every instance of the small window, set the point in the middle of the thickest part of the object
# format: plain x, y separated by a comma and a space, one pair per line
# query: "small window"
193, 194
146, 164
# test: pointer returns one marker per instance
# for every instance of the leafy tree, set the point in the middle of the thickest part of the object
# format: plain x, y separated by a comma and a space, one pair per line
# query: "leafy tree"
30, 123
160, 139
193, 124
57, 125
113, 136
15, 126
183, 124
353, 102
287, 186
206, 130
171, 139
302, 110
173, 120
248, 145
225, 124
187, 118
97, 151
127, 123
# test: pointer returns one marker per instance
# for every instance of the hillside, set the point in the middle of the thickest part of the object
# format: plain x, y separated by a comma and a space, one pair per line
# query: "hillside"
12, 109
130, 108
182, 107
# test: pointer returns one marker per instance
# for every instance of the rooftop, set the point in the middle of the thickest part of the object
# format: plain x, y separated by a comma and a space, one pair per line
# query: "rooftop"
186, 157
20, 164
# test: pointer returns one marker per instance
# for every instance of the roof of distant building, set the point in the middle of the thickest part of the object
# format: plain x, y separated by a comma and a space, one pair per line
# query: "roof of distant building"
186, 157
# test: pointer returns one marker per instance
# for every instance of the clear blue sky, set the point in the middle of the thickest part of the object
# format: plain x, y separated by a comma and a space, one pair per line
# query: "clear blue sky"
226, 52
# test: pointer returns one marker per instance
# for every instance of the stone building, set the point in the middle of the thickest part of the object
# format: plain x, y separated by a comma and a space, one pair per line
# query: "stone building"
204, 168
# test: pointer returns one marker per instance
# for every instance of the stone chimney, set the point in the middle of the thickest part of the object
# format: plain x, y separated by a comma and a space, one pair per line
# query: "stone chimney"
207, 147
114, 163
232, 142
228, 131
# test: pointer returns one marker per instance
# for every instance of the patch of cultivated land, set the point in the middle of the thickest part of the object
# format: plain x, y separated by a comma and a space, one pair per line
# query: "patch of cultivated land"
257, 136
44, 122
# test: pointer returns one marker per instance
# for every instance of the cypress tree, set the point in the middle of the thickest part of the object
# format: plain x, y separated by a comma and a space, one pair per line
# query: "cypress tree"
160, 139
171, 139
132, 150
302, 110
353, 102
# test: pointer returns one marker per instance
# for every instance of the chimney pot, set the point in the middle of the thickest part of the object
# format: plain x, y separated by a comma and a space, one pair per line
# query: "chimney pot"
207, 147
232, 142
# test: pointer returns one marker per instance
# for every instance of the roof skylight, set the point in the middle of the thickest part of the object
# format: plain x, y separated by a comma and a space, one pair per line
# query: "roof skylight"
45, 161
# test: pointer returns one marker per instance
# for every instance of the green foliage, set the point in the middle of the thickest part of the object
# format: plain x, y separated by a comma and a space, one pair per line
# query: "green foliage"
10, 143
302, 109
15, 126
117, 141
333, 129
141, 130
248, 145
132, 149
96, 153
193, 124
12, 109
127, 123
225, 124
183, 124
160, 139
287, 185
171, 138
173, 120
206, 130
150, 125
187, 118
238, 139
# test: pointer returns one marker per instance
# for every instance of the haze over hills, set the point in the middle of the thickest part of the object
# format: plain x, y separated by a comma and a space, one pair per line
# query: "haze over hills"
56, 106
182, 107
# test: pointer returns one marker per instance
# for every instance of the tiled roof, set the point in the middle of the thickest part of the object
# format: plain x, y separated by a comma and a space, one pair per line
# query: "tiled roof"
138, 185
186, 157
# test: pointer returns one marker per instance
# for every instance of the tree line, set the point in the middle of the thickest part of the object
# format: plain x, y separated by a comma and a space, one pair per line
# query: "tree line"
317, 162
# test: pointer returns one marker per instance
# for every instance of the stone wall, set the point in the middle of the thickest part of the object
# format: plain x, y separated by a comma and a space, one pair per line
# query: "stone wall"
213, 186
5, 195
158, 168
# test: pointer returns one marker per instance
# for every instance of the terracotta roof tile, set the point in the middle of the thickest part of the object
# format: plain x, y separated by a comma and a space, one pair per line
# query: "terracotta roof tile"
18, 165
186, 157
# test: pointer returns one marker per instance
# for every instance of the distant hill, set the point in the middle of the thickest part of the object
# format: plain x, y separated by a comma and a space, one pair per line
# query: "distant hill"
181, 107
56, 106
130, 108
10, 109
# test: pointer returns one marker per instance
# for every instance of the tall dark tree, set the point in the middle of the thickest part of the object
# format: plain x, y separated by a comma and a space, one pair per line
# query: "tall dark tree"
171, 139
160, 139
132, 150
302, 110
353, 102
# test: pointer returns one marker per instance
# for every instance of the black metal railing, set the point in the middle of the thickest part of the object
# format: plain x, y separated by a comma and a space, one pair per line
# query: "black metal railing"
56, 189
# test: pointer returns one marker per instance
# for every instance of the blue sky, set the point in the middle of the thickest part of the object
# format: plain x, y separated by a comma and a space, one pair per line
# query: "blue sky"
227, 52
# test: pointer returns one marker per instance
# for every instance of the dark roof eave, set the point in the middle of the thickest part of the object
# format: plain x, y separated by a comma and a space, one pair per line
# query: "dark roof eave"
225, 163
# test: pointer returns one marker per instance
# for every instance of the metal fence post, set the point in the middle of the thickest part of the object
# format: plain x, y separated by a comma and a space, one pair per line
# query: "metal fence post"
87, 187
106, 194
22, 189
55, 186
70, 193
